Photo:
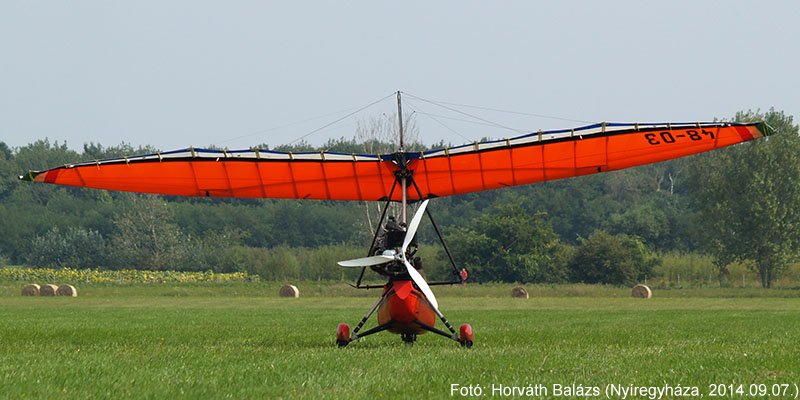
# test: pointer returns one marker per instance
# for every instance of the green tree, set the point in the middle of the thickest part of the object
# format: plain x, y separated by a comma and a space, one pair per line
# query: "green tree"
280, 264
42, 154
96, 151
147, 238
507, 243
8, 171
73, 247
645, 221
749, 199
209, 252
612, 259
5, 152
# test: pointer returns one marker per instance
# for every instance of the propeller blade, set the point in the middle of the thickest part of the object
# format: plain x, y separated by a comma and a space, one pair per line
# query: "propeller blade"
423, 286
366, 261
412, 227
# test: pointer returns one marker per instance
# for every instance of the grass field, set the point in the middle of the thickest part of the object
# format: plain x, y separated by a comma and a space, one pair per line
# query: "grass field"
240, 341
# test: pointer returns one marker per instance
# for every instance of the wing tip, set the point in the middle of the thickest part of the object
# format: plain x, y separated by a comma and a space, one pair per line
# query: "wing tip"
29, 176
765, 129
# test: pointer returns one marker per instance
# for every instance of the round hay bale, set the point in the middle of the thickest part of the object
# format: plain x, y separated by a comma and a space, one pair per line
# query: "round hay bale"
289, 291
641, 292
519, 292
67, 290
48, 290
30, 290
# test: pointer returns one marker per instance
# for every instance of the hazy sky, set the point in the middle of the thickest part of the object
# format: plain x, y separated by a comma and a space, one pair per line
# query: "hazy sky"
179, 73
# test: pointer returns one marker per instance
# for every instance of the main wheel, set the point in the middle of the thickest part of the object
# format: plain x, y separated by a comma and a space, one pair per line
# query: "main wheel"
465, 337
342, 335
409, 338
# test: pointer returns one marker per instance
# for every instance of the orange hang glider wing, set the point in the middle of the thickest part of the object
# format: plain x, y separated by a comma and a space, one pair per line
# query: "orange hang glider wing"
536, 157
546, 156
245, 173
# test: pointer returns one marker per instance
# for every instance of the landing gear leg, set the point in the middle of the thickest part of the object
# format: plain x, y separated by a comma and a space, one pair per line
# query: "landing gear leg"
343, 335
464, 337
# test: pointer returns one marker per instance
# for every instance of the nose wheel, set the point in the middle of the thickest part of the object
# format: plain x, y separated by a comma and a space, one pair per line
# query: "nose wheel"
409, 338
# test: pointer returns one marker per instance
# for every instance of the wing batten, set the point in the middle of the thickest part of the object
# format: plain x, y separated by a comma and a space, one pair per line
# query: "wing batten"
78, 173
227, 178
51, 176
511, 161
358, 182
325, 179
605, 164
262, 187
481, 170
744, 133
451, 178
293, 179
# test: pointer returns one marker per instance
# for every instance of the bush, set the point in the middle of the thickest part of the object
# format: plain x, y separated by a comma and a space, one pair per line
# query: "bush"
278, 263
320, 263
509, 244
75, 247
612, 259
122, 277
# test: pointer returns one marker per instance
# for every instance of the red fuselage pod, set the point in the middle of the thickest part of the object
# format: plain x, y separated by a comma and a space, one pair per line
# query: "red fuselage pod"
404, 306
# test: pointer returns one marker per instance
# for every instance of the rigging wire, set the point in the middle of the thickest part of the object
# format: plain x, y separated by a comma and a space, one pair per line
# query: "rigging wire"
507, 111
357, 110
287, 125
431, 116
467, 121
519, 113
435, 117
342, 118
465, 113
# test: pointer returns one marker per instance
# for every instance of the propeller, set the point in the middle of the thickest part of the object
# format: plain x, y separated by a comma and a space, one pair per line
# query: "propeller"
366, 261
391, 255
413, 226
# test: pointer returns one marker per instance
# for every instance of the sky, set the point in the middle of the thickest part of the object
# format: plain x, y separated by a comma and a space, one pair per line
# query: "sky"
174, 74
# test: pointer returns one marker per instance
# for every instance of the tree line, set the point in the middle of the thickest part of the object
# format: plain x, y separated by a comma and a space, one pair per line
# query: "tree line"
739, 204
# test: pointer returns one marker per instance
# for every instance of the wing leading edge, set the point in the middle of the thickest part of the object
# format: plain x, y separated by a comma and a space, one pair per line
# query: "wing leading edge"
536, 157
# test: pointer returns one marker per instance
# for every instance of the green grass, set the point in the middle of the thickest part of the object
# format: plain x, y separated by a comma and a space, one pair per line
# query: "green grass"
240, 341
340, 289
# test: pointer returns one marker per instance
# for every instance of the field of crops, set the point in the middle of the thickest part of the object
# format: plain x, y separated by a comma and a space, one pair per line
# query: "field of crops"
239, 340
117, 277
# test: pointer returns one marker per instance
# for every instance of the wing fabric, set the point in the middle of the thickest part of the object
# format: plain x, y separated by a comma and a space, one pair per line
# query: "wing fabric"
247, 173
537, 157
562, 154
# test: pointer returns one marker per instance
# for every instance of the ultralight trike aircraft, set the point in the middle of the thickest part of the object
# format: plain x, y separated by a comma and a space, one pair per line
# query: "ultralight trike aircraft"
407, 305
